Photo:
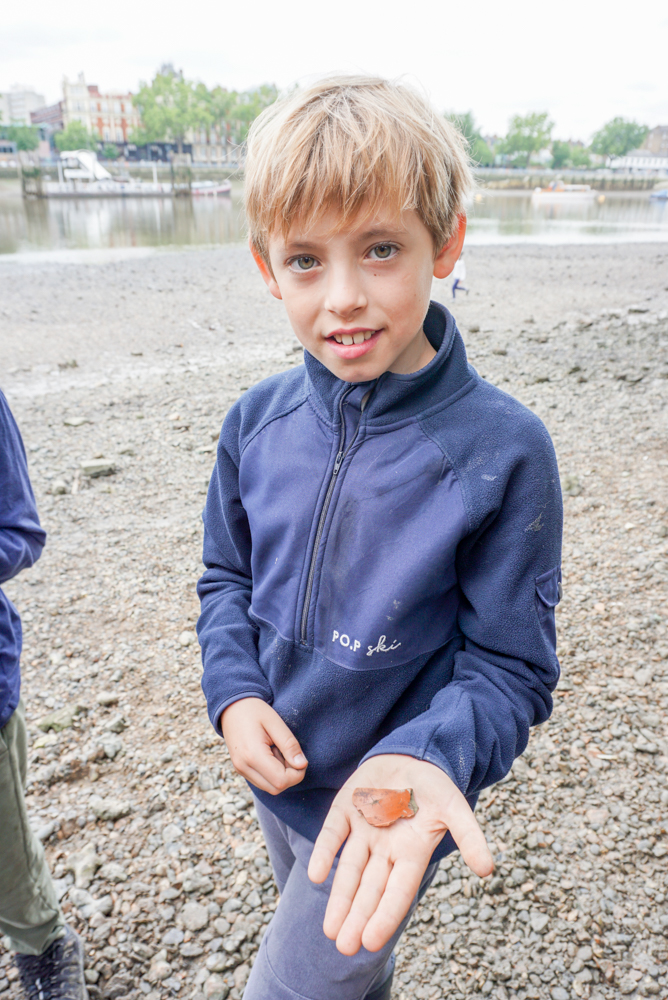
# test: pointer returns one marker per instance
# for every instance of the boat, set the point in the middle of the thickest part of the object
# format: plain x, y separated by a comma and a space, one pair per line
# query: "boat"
81, 175
557, 191
199, 188
661, 195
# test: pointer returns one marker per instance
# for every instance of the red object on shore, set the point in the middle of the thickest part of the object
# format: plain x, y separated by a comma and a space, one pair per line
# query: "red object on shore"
384, 806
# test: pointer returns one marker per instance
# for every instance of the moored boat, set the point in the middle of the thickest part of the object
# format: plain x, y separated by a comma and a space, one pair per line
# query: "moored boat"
557, 191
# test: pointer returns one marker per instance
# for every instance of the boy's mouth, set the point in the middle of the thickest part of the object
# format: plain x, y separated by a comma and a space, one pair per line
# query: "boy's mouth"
353, 343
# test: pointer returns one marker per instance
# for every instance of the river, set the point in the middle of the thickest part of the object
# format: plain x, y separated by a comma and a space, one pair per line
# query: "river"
78, 229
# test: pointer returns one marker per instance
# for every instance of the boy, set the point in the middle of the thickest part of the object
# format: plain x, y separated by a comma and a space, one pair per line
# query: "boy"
382, 541
48, 953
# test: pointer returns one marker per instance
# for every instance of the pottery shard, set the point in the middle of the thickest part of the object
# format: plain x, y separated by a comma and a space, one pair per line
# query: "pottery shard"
384, 806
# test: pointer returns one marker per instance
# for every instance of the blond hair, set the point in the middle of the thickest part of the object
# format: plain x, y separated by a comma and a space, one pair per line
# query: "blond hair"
350, 142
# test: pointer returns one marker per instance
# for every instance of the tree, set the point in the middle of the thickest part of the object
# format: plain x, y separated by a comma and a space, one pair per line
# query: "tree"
527, 134
618, 137
110, 152
169, 107
561, 154
478, 148
580, 156
75, 136
25, 136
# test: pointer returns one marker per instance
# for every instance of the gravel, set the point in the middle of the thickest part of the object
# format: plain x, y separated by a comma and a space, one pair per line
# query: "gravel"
151, 836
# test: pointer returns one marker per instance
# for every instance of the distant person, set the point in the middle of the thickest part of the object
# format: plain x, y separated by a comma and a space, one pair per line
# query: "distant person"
382, 541
48, 953
459, 275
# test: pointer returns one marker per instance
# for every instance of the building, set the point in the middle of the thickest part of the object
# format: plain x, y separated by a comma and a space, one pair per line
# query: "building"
657, 140
112, 115
109, 116
642, 160
49, 117
17, 103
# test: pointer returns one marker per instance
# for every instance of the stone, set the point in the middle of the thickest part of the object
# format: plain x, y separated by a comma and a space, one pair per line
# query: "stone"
75, 421
113, 872
112, 746
194, 916
95, 467
170, 833
58, 487
539, 921
173, 937
187, 638
192, 949
159, 969
107, 698
571, 486
120, 985
215, 988
62, 718
117, 724
193, 881
217, 962
108, 809
84, 864
384, 806
559, 993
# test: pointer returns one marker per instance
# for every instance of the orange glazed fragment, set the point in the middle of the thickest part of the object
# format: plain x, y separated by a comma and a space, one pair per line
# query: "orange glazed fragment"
384, 806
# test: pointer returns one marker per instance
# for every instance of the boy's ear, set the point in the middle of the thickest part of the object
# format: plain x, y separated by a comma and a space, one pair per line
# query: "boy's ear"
449, 255
269, 279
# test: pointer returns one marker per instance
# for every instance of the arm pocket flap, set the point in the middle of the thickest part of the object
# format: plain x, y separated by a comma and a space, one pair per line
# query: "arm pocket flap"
548, 587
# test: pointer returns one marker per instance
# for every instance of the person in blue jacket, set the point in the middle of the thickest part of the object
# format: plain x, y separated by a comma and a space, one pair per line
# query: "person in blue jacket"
382, 541
48, 953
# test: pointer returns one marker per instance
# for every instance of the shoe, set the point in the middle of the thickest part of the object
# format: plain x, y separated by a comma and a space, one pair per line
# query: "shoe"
58, 973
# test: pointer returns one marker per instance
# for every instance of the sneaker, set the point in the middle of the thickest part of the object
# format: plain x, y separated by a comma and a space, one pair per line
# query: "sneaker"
58, 973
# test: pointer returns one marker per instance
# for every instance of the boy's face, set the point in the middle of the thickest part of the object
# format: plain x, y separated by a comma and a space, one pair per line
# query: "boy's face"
356, 298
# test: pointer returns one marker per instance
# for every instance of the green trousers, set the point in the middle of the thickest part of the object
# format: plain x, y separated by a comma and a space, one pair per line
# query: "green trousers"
29, 911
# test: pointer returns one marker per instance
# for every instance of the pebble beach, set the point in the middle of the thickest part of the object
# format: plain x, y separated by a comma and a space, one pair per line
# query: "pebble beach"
120, 372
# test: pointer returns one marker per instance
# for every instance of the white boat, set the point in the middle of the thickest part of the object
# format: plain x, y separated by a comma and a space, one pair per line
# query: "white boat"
81, 175
558, 192
199, 188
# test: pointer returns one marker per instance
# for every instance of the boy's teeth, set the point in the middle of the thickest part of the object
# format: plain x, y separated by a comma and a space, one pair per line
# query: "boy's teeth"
347, 340
337, 338
367, 334
358, 338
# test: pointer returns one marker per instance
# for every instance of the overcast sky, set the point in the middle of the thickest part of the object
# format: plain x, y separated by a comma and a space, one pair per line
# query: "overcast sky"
583, 62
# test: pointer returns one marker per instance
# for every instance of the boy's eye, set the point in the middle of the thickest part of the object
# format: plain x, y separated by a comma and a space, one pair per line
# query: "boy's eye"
303, 263
383, 251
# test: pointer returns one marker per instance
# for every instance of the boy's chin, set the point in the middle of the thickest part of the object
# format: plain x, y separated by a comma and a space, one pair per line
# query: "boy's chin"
352, 371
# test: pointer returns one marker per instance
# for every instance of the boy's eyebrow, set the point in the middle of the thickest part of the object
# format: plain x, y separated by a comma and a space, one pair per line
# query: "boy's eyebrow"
376, 232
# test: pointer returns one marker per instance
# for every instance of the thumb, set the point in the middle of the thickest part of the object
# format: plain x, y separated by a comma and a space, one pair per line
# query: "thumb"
285, 741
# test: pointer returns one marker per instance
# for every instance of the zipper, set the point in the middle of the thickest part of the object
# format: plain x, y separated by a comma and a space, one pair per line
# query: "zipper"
338, 462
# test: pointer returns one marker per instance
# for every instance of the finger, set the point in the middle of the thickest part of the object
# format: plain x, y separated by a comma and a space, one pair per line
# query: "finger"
469, 838
402, 885
367, 898
262, 762
335, 830
349, 871
285, 741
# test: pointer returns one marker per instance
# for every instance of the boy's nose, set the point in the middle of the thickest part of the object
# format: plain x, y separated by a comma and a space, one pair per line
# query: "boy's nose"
345, 294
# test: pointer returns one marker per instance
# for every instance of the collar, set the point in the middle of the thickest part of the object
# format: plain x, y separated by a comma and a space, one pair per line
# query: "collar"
400, 397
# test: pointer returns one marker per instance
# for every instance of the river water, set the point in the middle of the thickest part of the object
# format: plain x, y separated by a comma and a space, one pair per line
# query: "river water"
76, 229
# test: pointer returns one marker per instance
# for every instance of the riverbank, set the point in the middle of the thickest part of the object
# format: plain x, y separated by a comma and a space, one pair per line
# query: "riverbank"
135, 362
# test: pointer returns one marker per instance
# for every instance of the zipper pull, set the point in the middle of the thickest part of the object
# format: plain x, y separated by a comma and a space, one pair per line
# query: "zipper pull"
337, 463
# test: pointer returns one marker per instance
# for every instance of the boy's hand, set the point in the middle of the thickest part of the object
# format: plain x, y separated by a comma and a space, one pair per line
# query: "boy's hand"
261, 746
381, 869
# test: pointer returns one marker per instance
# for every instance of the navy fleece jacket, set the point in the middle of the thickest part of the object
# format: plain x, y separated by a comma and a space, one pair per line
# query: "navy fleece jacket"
382, 566
21, 543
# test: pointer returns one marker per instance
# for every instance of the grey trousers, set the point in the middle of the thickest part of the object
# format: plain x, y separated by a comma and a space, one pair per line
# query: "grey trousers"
295, 960
29, 911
